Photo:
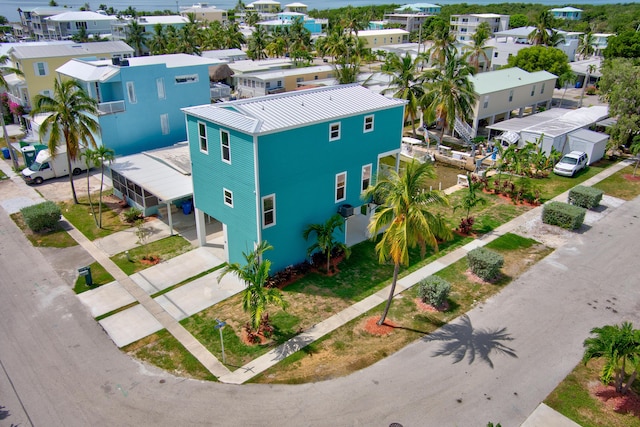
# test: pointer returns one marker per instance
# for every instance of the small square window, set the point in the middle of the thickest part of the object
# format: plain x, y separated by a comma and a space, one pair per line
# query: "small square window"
368, 124
334, 131
228, 197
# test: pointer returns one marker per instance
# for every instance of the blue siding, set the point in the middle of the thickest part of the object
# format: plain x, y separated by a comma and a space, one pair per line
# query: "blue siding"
211, 175
139, 127
299, 166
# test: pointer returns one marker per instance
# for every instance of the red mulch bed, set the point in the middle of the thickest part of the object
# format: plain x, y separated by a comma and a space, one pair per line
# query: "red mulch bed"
630, 177
509, 199
151, 260
622, 404
423, 306
373, 328
245, 339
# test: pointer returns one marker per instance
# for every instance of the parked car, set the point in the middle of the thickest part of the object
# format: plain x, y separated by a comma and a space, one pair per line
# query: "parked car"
571, 163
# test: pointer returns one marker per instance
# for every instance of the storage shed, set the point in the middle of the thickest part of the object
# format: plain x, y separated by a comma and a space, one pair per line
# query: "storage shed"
592, 143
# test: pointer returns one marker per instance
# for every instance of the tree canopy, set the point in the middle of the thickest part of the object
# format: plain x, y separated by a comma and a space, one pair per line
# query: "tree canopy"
538, 58
624, 45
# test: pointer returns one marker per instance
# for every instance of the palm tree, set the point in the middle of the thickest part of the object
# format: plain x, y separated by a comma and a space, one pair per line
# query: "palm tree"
404, 215
405, 83
542, 32
137, 36
70, 119
158, 42
477, 50
232, 38
470, 199
102, 154
256, 296
617, 344
443, 44
586, 45
590, 70
3, 83
89, 156
449, 92
257, 43
325, 240
565, 80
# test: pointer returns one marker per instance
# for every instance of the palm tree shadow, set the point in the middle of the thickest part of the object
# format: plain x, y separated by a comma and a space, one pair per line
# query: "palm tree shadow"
460, 340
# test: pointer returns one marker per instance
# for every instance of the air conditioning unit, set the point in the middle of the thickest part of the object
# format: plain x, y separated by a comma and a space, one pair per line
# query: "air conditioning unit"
346, 211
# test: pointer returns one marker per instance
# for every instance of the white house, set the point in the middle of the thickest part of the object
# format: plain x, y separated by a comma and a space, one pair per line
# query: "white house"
465, 26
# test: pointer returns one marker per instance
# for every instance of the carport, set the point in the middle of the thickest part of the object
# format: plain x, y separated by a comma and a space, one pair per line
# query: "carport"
152, 178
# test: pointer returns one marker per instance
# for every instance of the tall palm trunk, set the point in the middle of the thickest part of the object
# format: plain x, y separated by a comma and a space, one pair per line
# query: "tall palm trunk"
396, 270
5, 134
73, 188
101, 185
93, 213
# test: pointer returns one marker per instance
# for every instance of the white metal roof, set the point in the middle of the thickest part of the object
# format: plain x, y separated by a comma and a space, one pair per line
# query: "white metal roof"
507, 78
519, 123
515, 32
566, 9
589, 135
295, 5
390, 31
274, 74
157, 173
81, 16
574, 119
293, 109
173, 60
26, 51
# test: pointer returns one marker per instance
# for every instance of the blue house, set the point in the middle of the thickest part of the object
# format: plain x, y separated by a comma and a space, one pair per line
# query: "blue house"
139, 99
267, 167
568, 12
285, 19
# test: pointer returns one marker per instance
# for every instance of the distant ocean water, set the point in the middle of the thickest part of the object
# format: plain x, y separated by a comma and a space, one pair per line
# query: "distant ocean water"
9, 8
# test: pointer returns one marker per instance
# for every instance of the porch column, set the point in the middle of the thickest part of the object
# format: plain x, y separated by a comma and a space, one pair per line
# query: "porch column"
397, 162
548, 105
169, 215
520, 112
492, 119
507, 115
201, 229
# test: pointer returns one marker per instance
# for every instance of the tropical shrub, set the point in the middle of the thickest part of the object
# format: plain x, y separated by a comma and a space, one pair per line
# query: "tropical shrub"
132, 215
563, 215
434, 290
484, 263
41, 217
585, 197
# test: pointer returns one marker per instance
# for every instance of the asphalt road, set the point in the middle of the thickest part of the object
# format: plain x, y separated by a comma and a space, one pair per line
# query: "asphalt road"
58, 368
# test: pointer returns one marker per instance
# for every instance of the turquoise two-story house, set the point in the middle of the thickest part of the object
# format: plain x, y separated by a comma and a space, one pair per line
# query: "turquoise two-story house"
267, 167
139, 99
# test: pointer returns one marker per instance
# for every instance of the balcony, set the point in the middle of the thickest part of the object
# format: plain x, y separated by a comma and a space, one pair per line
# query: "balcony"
111, 107
19, 101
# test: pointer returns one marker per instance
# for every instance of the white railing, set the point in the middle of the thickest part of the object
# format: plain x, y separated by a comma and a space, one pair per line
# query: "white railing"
464, 130
18, 100
111, 107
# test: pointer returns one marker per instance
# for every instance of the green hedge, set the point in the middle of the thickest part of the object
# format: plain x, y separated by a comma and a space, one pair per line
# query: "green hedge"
434, 290
563, 215
485, 263
41, 217
585, 197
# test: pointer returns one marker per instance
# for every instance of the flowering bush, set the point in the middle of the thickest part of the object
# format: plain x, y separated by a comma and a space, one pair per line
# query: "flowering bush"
16, 108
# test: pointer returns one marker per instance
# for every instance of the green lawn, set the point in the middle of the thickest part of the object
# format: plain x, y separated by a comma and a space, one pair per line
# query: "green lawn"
168, 354
57, 238
621, 184
166, 248
99, 275
81, 217
573, 399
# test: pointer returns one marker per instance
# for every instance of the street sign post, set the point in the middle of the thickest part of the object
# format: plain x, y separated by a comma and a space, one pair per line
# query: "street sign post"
219, 327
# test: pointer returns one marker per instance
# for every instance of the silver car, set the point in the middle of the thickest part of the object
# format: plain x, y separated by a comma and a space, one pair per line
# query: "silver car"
571, 163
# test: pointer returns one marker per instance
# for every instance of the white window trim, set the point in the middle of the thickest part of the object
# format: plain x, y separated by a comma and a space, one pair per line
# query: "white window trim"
206, 137
264, 224
364, 127
344, 192
331, 125
370, 166
131, 93
162, 94
224, 197
186, 79
164, 124
222, 132
45, 68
